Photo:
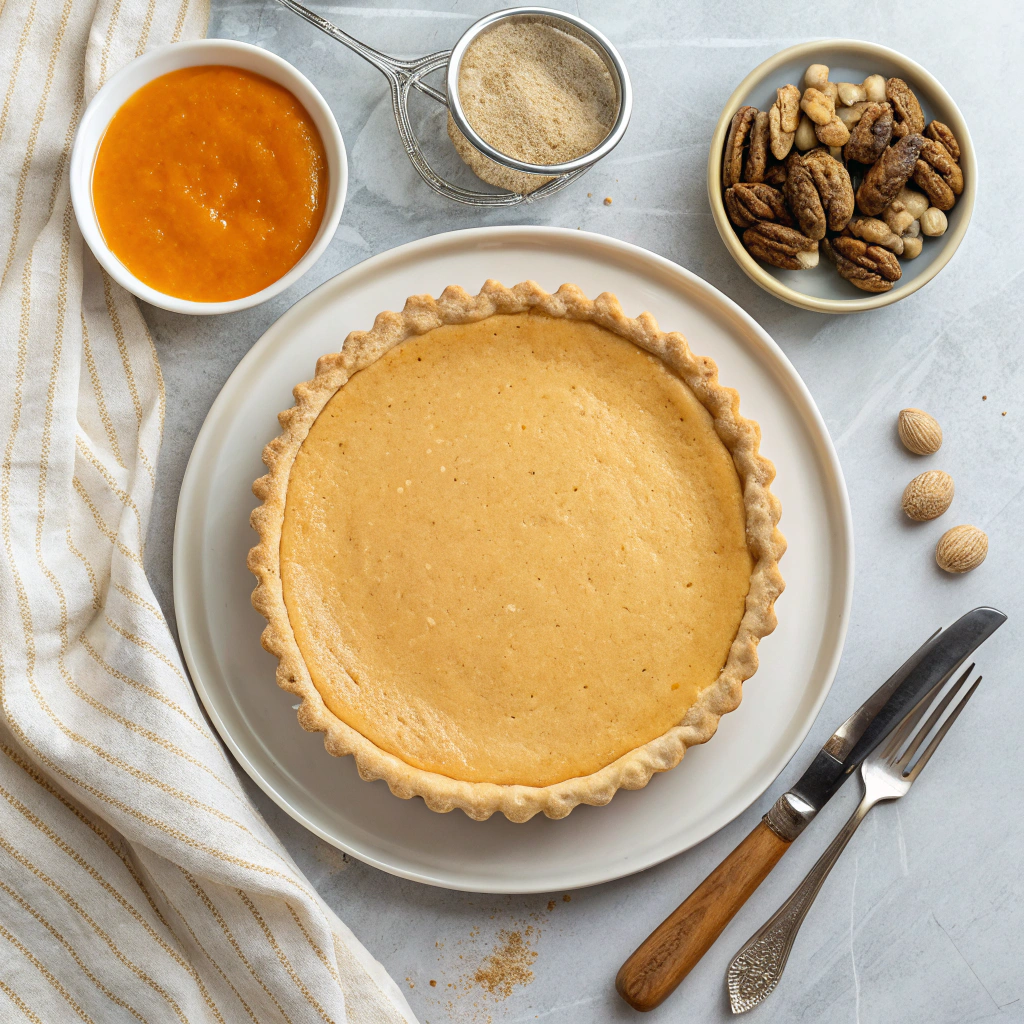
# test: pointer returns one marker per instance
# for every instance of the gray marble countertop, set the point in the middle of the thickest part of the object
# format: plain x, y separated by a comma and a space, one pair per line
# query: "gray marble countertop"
923, 918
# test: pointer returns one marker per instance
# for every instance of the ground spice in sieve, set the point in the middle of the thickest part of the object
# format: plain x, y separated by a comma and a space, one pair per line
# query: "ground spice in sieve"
535, 93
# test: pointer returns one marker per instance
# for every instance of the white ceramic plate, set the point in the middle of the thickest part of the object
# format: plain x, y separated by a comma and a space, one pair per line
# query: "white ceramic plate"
220, 632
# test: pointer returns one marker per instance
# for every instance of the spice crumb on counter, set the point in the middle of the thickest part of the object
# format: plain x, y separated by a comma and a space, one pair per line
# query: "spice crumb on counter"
508, 964
607, 200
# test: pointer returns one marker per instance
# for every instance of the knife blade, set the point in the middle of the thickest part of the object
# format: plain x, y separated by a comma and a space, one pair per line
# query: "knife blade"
937, 659
672, 950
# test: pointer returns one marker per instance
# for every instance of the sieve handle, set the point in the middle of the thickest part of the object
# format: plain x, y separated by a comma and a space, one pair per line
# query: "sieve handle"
403, 75
395, 69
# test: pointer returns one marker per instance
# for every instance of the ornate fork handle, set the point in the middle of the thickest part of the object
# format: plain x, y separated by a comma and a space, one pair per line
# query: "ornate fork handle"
758, 966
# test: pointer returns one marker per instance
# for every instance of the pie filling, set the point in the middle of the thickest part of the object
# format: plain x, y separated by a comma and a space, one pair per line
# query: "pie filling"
514, 550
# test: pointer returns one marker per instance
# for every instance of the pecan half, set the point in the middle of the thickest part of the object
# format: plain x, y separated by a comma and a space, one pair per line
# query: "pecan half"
938, 175
747, 204
788, 101
781, 141
739, 130
757, 151
775, 174
871, 134
909, 117
803, 199
888, 174
940, 133
868, 267
781, 246
832, 182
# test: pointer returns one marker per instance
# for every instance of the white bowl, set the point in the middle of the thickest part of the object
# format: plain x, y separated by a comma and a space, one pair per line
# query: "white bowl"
849, 60
159, 62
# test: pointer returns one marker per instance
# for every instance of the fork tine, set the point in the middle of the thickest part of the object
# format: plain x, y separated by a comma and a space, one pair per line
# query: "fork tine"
930, 749
902, 732
933, 718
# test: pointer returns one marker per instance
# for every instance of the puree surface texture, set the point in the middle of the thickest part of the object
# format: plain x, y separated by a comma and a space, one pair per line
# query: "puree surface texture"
210, 183
514, 550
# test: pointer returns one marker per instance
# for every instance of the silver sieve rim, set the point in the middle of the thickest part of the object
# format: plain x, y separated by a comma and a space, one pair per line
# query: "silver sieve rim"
602, 46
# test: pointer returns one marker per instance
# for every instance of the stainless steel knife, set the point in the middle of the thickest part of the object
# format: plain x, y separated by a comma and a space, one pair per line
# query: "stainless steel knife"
938, 658
671, 951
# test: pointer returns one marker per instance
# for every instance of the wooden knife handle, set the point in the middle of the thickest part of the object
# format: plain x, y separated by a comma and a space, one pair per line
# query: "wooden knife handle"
672, 950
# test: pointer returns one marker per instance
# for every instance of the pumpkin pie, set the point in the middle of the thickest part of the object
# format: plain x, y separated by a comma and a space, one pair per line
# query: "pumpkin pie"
516, 550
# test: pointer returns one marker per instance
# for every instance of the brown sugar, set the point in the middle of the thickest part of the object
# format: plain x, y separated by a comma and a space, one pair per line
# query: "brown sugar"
507, 965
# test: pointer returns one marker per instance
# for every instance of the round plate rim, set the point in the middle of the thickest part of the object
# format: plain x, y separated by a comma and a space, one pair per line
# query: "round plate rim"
474, 236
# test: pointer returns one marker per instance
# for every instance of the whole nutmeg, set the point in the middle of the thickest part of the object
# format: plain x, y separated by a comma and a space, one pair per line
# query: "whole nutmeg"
919, 432
961, 549
927, 496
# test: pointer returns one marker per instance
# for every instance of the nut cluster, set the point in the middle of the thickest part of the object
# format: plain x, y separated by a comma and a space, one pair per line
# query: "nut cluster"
851, 168
930, 494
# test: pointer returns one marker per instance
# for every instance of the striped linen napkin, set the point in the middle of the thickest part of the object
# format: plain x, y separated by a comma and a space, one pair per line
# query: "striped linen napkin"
137, 881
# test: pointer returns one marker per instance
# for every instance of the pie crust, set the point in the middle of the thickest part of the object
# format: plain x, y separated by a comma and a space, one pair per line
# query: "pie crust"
758, 512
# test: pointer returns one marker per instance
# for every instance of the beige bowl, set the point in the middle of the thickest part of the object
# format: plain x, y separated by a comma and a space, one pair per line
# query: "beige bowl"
849, 60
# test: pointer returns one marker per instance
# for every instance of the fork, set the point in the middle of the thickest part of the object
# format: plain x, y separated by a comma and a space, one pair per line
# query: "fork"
756, 969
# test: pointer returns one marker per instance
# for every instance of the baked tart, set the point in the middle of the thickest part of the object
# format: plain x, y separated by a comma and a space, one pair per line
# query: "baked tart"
516, 550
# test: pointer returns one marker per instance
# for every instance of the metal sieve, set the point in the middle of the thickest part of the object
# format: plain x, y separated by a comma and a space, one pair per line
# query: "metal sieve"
403, 75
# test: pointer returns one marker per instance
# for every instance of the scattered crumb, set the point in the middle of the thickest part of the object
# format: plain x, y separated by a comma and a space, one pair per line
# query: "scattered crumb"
482, 976
507, 965
607, 200
589, 195
984, 398
1004, 413
566, 898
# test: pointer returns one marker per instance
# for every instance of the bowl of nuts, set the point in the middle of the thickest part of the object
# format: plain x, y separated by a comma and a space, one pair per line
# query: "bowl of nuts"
841, 176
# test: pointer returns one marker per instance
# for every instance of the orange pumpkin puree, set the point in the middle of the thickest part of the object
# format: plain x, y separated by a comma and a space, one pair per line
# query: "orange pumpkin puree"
210, 183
